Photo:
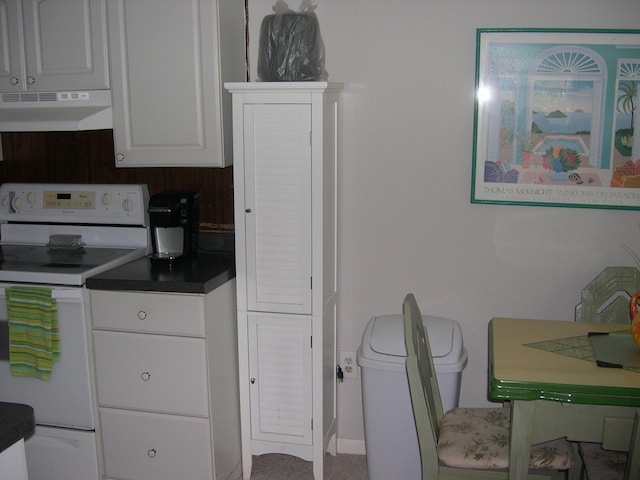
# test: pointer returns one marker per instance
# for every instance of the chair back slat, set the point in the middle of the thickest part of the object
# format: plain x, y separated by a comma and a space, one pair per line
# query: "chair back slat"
419, 338
423, 386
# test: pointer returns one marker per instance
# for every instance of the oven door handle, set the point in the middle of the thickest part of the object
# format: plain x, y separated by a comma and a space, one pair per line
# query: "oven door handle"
70, 295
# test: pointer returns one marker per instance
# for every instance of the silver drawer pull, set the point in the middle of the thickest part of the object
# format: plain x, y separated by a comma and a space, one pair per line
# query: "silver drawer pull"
142, 314
152, 453
145, 376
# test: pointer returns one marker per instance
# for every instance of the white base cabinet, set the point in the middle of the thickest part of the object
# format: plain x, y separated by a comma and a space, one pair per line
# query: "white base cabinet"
285, 163
167, 384
168, 61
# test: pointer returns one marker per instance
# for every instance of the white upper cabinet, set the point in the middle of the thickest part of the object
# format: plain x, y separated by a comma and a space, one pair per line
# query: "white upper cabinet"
168, 60
49, 45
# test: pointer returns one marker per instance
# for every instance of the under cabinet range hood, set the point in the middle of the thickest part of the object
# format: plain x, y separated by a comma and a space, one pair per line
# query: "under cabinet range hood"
55, 111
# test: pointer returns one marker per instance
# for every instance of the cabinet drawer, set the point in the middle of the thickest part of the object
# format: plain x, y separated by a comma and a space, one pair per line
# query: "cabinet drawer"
149, 446
177, 314
151, 372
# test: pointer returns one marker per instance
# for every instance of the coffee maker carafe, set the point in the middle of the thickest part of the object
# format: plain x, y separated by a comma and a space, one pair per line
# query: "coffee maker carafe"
174, 217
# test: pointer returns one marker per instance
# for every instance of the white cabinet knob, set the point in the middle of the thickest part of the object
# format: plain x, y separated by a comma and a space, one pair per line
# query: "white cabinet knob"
142, 314
14, 81
145, 376
152, 453
119, 157
31, 80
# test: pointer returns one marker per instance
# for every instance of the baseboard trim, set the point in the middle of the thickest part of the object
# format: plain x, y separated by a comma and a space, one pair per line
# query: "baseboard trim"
352, 447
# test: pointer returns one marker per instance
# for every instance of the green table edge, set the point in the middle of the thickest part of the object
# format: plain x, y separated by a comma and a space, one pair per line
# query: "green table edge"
500, 390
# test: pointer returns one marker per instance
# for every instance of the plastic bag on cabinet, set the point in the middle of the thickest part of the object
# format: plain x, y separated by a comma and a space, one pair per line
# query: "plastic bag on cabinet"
290, 47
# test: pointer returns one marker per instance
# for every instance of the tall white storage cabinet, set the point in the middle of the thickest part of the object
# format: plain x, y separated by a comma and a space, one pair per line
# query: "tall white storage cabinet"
285, 144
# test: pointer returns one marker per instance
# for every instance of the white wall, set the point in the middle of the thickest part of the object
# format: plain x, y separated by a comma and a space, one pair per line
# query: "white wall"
406, 222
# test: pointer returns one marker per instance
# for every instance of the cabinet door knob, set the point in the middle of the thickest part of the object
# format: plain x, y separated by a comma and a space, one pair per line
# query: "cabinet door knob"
119, 157
253, 380
145, 376
152, 453
142, 314
248, 210
31, 80
14, 81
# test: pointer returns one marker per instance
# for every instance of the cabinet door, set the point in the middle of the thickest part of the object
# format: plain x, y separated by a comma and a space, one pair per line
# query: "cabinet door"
277, 147
148, 446
156, 373
12, 66
280, 378
65, 44
165, 83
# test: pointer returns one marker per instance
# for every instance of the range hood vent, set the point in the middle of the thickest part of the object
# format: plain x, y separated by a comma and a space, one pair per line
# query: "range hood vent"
55, 111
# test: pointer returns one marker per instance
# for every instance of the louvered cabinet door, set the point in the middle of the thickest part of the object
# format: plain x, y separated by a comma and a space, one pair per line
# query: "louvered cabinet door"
277, 140
280, 378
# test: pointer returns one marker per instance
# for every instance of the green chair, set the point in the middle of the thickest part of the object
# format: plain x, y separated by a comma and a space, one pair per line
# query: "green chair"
606, 298
464, 443
601, 464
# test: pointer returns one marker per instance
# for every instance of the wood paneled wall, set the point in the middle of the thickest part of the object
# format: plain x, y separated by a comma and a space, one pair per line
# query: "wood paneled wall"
88, 157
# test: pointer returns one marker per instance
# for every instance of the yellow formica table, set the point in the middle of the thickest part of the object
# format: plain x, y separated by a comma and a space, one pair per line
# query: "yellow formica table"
546, 369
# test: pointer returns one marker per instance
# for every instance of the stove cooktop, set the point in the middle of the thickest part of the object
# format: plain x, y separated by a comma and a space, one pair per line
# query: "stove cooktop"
61, 234
60, 266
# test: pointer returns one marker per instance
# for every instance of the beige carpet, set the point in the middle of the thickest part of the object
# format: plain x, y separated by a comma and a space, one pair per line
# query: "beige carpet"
274, 466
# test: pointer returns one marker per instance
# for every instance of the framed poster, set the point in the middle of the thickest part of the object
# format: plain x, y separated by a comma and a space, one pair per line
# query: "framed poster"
556, 118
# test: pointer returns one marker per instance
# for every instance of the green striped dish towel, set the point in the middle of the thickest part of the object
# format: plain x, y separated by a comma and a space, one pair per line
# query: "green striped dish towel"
34, 341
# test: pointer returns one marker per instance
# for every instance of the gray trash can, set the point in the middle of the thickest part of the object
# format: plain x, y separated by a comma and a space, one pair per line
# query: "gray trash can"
390, 435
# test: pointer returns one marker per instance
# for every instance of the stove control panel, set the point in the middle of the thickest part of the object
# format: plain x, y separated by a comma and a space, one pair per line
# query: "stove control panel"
120, 204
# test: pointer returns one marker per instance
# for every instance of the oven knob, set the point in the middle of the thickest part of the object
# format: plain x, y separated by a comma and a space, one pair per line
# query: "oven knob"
106, 199
127, 204
16, 203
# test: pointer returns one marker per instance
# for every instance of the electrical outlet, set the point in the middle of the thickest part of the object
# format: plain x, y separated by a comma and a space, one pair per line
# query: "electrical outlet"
348, 364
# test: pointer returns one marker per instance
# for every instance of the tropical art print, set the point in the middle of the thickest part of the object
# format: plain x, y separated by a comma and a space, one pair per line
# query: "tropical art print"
556, 118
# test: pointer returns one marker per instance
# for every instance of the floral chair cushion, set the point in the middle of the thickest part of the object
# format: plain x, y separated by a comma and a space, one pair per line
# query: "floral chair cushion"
602, 464
479, 438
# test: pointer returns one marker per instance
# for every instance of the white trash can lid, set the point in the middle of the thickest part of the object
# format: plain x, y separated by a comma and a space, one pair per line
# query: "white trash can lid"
383, 343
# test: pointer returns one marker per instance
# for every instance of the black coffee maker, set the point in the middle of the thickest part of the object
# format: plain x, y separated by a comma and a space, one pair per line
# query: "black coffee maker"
174, 218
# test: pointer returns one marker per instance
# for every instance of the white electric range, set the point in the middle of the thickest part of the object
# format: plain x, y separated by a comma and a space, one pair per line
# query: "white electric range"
56, 236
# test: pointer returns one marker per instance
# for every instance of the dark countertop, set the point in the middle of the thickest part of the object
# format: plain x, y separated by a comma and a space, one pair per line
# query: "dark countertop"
16, 421
202, 274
